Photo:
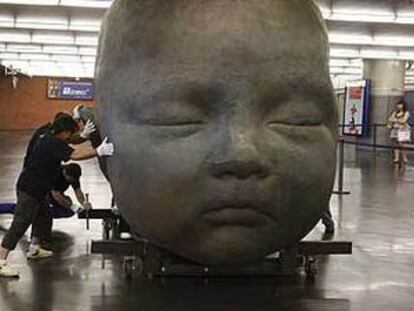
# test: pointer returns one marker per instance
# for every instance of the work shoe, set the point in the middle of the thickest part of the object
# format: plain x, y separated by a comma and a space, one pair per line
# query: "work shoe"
7, 271
39, 253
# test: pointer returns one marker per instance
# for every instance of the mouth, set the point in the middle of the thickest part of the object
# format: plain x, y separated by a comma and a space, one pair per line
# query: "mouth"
236, 215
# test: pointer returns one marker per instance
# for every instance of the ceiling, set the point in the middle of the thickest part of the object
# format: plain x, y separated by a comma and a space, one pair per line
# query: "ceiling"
59, 37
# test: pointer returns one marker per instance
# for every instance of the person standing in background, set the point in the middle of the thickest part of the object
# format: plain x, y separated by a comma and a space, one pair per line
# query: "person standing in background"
400, 130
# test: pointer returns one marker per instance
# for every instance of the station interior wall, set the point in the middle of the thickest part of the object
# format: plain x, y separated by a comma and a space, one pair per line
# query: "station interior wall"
28, 107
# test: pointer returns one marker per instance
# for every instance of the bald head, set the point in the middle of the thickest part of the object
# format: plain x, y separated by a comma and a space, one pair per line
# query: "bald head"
216, 108
136, 32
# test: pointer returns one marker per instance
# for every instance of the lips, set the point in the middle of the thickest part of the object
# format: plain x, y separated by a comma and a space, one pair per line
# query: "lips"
242, 202
239, 208
236, 215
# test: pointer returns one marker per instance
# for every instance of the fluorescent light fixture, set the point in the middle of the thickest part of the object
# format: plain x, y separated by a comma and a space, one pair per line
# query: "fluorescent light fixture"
86, 28
361, 17
347, 76
89, 66
88, 59
41, 26
37, 21
40, 18
340, 62
393, 40
379, 54
6, 19
365, 39
405, 17
66, 58
31, 2
42, 57
103, 4
347, 38
345, 52
31, 48
63, 49
9, 56
406, 55
86, 39
2, 47
53, 37
14, 36
85, 24
345, 70
87, 51
409, 80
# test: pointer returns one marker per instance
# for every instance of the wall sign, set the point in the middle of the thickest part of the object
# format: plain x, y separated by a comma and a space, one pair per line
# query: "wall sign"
70, 90
357, 102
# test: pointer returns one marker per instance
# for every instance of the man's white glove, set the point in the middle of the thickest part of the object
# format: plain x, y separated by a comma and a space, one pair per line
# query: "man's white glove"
88, 129
87, 206
105, 149
76, 208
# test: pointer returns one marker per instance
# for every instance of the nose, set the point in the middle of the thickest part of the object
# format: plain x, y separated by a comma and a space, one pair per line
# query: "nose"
236, 155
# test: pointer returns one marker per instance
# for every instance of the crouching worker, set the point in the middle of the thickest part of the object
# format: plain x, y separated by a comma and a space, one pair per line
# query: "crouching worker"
36, 181
58, 205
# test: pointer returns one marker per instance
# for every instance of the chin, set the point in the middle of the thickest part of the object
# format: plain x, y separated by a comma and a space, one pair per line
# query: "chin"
221, 256
231, 249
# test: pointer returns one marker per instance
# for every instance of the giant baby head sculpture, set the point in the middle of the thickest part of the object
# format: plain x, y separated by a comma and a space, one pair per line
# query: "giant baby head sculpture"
223, 119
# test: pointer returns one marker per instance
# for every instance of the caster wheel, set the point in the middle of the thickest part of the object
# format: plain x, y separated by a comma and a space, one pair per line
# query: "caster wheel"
311, 268
139, 265
128, 268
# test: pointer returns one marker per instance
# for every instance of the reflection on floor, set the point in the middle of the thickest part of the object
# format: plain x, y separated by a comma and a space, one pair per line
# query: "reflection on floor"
378, 216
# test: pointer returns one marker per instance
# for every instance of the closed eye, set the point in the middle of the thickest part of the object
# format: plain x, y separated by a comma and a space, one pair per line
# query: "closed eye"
167, 123
296, 122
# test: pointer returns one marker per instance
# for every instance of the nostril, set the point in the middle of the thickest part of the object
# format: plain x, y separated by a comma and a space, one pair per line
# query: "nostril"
239, 169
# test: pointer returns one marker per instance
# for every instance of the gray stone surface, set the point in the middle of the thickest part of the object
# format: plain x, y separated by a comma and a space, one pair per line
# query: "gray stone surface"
223, 120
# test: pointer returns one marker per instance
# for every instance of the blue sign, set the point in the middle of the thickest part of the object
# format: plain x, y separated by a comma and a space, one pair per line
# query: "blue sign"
76, 90
71, 90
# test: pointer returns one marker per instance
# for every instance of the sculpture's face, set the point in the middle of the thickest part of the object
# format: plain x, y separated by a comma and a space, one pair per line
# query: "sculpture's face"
224, 139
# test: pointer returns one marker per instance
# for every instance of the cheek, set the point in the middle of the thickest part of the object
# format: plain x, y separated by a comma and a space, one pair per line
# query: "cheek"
161, 175
304, 152
306, 160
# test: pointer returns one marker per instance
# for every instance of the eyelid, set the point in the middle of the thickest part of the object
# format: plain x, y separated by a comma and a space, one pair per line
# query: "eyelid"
296, 124
290, 114
167, 123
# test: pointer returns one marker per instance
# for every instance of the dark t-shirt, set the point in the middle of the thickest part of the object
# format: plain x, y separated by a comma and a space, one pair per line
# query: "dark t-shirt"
38, 134
44, 163
61, 184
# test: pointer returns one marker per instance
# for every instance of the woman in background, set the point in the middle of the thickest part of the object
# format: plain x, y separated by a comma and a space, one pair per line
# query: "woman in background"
400, 130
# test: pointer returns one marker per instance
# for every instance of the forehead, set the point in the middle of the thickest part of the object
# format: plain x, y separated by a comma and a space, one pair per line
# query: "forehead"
271, 43
214, 31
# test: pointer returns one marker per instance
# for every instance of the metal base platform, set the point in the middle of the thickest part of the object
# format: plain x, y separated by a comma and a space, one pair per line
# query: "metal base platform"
148, 260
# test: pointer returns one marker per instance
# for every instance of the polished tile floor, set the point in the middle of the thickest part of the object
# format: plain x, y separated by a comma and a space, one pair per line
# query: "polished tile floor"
378, 217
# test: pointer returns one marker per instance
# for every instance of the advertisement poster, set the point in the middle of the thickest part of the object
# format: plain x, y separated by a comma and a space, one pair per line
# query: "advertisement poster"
356, 108
70, 90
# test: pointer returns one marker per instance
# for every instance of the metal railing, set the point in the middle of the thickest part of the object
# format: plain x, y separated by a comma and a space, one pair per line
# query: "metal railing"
346, 140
